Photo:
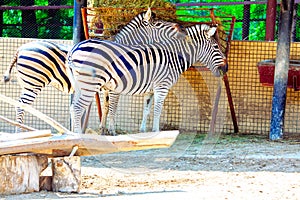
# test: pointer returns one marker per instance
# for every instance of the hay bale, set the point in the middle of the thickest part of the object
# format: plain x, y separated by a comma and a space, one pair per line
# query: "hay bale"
110, 16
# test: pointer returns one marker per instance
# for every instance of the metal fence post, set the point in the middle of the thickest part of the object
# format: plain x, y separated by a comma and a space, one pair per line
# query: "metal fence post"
78, 35
271, 20
281, 70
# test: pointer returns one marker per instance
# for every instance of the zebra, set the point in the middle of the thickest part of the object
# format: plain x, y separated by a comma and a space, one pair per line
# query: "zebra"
150, 68
149, 31
38, 64
42, 63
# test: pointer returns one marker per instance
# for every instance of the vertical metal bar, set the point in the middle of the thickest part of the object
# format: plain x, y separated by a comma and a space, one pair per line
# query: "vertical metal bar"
230, 102
271, 20
294, 24
84, 23
87, 36
281, 70
78, 34
246, 21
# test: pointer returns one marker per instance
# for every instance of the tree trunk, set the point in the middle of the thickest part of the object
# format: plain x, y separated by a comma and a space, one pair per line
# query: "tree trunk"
66, 174
20, 173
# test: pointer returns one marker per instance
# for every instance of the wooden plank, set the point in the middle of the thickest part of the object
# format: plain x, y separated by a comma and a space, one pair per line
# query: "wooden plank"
17, 124
88, 144
4, 137
33, 111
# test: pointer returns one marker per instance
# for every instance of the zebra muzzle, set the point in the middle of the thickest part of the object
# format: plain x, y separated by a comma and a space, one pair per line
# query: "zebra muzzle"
223, 69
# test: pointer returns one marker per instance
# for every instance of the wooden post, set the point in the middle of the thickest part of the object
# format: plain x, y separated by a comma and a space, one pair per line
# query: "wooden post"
66, 174
20, 173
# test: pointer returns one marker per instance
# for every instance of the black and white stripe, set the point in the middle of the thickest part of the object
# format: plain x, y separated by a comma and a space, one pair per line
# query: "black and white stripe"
130, 70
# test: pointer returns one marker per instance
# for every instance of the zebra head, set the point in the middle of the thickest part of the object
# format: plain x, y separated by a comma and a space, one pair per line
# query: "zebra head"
207, 48
145, 29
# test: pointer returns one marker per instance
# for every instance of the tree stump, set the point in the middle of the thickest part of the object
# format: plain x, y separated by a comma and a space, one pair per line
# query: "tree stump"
20, 173
66, 174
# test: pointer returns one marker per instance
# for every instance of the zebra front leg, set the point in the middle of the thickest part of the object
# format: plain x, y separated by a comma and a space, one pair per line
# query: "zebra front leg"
159, 98
148, 100
105, 109
113, 104
27, 97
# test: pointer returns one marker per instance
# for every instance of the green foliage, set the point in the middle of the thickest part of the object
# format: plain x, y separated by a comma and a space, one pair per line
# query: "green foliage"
55, 25
62, 20
257, 17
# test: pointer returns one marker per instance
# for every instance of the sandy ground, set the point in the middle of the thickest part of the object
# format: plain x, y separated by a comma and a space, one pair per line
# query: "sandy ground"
231, 167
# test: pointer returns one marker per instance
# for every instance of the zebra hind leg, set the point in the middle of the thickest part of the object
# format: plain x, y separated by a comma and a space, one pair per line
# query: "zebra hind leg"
78, 107
148, 100
19, 118
27, 97
113, 104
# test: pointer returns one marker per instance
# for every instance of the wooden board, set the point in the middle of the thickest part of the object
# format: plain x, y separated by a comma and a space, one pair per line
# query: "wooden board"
88, 144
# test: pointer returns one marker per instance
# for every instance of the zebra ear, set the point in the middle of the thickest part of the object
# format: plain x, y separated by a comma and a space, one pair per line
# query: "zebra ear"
211, 31
148, 15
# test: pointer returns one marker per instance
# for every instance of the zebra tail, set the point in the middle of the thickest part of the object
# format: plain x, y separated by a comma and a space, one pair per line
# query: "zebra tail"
70, 75
7, 73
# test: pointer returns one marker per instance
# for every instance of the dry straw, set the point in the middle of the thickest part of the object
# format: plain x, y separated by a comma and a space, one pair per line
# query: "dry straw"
114, 14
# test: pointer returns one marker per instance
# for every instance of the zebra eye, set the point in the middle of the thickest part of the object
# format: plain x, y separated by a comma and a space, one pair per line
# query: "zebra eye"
159, 24
145, 22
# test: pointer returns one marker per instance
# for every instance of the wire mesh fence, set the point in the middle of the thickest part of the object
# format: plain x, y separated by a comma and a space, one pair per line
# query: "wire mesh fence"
189, 103
252, 97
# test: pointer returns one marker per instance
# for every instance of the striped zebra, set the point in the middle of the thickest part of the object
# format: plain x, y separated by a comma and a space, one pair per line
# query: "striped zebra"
38, 64
42, 63
149, 31
153, 68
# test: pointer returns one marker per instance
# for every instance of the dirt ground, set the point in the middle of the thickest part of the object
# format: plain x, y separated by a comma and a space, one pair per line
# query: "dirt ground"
229, 167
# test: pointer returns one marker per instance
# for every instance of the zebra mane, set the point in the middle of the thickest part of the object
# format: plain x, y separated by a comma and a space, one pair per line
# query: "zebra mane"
203, 30
134, 25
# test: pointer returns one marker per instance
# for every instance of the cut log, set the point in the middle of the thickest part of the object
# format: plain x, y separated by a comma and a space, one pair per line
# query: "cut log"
20, 173
46, 183
62, 145
66, 174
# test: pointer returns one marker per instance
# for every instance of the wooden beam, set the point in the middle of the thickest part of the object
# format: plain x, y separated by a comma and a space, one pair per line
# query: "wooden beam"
88, 144
24, 127
30, 109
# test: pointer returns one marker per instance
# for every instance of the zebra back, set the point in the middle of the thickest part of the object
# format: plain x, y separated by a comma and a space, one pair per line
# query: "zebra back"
118, 66
41, 63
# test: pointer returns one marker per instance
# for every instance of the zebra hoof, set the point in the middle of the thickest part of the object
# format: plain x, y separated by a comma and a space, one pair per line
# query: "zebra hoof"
105, 131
